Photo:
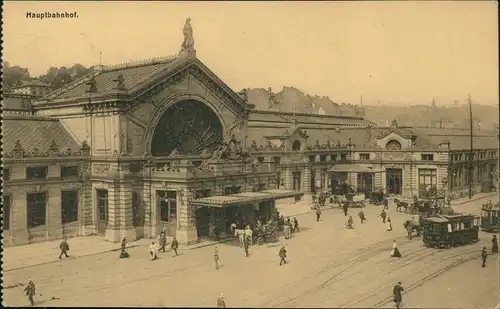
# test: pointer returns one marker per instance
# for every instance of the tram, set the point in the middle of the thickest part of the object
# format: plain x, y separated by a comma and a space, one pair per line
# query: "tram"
446, 231
490, 218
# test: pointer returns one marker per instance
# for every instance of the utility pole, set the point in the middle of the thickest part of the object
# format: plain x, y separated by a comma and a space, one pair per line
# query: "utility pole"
471, 155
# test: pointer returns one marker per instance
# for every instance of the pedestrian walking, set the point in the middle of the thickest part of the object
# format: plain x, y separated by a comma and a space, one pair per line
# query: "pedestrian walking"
389, 224
350, 223
395, 251
361, 216
29, 290
409, 230
296, 224
386, 203
494, 244
344, 207
246, 245
123, 253
153, 251
64, 248
174, 246
318, 213
163, 240
216, 257
220, 301
397, 294
383, 215
282, 255
484, 255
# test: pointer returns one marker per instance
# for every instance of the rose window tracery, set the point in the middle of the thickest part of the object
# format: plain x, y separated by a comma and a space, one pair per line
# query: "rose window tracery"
188, 126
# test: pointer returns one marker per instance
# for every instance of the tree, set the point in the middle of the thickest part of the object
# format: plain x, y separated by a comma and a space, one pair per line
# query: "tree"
14, 75
58, 77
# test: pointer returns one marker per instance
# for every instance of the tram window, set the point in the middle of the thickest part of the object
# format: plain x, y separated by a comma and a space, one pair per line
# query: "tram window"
450, 229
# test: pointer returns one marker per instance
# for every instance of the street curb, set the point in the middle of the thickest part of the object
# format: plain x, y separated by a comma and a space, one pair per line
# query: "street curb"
474, 199
73, 257
192, 247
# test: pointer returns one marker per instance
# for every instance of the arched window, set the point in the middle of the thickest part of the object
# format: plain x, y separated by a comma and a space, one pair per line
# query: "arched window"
296, 145
393, 145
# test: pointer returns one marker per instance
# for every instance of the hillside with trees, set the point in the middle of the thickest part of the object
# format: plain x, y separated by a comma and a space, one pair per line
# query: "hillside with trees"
14, 75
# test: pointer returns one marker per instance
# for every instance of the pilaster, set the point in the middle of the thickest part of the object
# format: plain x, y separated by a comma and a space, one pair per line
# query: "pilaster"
186, 227
53, 222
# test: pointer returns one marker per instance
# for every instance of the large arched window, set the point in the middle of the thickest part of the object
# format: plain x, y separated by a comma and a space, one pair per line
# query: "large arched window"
393, 145
189, 126
296, 145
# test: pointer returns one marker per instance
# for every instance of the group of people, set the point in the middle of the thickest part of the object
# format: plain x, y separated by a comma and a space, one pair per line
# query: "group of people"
162, 241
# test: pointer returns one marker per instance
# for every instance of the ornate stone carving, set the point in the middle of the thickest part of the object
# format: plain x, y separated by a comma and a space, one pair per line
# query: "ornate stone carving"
92, 86
120, 82
18, 146
101, 168
175, 152
188, 43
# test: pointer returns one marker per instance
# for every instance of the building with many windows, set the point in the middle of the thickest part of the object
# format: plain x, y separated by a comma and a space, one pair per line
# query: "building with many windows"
133, 149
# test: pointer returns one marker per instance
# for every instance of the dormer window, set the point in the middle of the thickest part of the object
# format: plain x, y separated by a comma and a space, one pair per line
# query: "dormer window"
296, 145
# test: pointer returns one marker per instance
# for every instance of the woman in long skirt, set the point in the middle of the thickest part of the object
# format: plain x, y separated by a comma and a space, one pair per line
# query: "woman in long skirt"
153, 251
389, 224
395, 251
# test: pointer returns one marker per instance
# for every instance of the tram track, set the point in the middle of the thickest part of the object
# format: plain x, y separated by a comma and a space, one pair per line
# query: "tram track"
411, 257
442, 265
369, 252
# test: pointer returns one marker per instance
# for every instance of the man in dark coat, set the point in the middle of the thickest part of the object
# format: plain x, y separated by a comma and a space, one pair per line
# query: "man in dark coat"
64, 248
163, 240
318, 213
282, 255
30, 291
296, 224
484, 255
386, 203
174, 245
494, 244
220, 301
396, 292
246, 245
344, 207
383, 215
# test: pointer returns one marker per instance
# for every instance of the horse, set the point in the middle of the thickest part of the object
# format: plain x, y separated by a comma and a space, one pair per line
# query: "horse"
400, 205
415, 226
241, 236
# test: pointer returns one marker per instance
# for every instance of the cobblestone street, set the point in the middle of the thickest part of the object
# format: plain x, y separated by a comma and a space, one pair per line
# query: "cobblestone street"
328, 266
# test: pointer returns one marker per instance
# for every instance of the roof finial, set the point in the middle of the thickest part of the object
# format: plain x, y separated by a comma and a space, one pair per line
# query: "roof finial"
187, 46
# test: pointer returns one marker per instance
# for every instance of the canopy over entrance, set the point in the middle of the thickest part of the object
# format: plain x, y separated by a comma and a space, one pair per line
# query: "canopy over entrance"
353, 168
244, 198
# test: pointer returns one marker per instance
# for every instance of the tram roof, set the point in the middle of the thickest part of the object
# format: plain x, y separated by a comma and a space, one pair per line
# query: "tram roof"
244, 198
447, 218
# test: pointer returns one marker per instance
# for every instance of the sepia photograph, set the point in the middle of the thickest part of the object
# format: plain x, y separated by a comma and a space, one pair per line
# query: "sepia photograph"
250, 154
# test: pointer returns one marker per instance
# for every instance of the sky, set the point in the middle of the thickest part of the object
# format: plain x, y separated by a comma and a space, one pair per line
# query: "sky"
388, 52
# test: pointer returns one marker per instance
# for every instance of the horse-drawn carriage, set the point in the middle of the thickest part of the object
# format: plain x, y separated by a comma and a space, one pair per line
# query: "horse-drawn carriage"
490, 218
377, 197
445, 231
355, 201
428, 205
267, 236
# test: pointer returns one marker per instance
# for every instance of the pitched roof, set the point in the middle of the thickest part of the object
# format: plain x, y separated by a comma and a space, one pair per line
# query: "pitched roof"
16, 101
460, 138
35, 82
135, 76
35, 133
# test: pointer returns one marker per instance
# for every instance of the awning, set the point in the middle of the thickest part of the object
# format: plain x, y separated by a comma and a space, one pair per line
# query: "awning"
244, 198
353, 168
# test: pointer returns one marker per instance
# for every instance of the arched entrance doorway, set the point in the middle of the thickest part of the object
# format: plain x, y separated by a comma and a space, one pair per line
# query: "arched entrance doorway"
189, 126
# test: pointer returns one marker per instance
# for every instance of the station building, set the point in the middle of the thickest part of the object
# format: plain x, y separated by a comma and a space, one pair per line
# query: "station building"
132, 149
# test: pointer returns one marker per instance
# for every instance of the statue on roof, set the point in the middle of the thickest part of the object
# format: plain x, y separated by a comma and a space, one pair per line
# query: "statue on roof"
120, 82
188, 44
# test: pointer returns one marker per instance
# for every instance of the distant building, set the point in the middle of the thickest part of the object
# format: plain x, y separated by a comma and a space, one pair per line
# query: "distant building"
35, 88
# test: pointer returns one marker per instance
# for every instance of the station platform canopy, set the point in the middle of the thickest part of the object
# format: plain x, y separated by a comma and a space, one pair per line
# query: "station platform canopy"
353, 168
245, 198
